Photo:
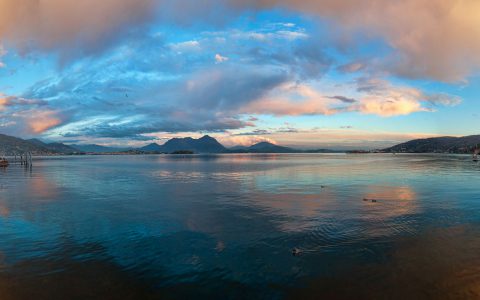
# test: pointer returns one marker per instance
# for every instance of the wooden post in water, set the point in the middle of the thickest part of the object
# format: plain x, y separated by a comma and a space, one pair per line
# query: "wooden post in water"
26, 159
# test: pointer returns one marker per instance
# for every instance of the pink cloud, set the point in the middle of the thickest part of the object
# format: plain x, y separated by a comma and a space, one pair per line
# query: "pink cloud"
377, 97
244, 140
64, 25
41, 121
280, 103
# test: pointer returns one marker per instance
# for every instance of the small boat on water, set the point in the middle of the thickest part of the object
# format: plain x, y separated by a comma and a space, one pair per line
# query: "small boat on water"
3, 162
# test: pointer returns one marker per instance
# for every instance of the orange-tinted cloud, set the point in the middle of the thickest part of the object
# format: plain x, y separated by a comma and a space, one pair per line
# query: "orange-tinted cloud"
3, 101
375, 97
41, 121
308, 102
390, 108
243, 140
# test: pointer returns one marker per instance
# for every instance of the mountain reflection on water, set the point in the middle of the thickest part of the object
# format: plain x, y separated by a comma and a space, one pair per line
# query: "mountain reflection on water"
224, 226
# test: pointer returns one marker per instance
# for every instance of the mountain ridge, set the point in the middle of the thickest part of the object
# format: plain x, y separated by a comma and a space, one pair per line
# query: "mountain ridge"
443, 144
10, 145
206, 144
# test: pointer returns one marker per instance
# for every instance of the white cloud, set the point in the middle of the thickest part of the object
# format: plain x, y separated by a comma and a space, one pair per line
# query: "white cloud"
220, 59
186, 46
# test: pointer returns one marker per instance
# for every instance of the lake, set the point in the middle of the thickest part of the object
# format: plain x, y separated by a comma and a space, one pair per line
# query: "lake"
226, 226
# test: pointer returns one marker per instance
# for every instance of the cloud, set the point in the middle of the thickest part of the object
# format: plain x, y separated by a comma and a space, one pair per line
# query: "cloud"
376, 96
40, 121
220, 59
151, 86
386, 100
102, 103
12, 101
280, 103
428, 39
443, 99
29, 121
244, 140
388, 107
432, 39
351, 67
186, 46
344, 99
70, 27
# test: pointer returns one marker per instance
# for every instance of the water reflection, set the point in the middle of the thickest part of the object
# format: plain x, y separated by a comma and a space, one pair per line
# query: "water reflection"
389, 193
4, 210
43, 189
438, 264
151, 226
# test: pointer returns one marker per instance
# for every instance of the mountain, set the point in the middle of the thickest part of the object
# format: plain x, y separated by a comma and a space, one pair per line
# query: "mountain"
55, 147
266, 147
153, 147
11, 145
206, 144
37, 142
445, 144
262, 147
93, 148
62, 148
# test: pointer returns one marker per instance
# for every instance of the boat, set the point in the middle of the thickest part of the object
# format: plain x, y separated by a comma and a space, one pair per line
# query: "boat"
475, 154
3, 162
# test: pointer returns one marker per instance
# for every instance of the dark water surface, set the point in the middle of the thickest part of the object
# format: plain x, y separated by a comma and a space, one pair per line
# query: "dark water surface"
223, 227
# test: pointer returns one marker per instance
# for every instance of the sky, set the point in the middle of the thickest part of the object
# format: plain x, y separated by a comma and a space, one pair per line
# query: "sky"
303, 73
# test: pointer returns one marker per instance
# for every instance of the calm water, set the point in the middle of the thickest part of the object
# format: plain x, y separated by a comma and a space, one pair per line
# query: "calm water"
161, 227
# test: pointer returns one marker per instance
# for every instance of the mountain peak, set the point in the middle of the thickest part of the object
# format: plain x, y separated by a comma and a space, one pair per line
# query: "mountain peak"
267, 147
205, 144
152, 147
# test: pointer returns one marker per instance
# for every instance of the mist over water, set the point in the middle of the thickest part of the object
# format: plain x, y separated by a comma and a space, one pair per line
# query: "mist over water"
224, 226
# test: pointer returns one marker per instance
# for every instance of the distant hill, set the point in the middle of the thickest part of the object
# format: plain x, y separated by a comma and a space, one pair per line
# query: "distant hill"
93, 148
262, 147
62, 148
55, 147
266, 147
153, 147
438, 145
11, 145
206, 144
37, 142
